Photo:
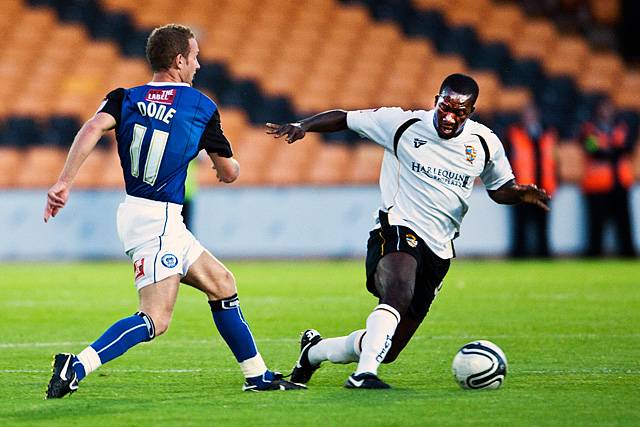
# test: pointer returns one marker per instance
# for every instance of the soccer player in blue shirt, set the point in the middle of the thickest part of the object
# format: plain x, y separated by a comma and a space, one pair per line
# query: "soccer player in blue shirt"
160, 127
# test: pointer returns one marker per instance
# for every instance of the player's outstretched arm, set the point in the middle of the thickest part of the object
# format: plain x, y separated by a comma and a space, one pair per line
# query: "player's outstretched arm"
512, 193
329, 121
84, 142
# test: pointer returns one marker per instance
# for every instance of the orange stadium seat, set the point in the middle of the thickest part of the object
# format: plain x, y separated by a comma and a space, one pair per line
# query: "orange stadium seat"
502, 22
432, 4
605, 11
40, 166
285, 79
594, 82
538, 38
254, 151
90, 174
234, 123
567, 57
605, 63
636, 163
489, 87
127, 73
10, 165
365, 166
330, 165
535, 40
472, 12
512, 99
627, 90
321, 54
111, 171
291, 162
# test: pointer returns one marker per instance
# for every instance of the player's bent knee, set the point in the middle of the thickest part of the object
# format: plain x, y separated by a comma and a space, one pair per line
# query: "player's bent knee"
158, 320
228, 282
222, 286
151, 327
398, 294
162, 326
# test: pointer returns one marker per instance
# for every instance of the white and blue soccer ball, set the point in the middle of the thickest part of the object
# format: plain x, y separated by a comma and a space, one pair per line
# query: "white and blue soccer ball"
479, 365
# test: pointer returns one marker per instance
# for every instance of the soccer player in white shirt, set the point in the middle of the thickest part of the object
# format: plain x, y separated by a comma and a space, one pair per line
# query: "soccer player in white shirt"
431, 161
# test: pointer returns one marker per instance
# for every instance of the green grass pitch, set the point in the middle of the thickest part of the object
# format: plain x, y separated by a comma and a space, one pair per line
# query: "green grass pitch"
570, 330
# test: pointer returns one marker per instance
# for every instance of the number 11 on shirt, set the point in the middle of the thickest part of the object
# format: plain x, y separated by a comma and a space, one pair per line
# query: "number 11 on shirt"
154, 157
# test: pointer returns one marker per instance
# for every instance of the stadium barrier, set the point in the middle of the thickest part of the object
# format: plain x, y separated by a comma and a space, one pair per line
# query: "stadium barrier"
293, 222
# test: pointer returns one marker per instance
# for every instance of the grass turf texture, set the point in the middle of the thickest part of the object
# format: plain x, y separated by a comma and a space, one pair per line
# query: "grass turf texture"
569, 330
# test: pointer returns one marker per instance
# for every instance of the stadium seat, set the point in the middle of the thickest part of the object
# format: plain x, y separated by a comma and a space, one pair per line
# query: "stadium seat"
513, 99
40, 167
92, 170
489, 87
291, 163
330, 165
605, 11
537, 39
365, 166
254, 151
10, 165
567, 57
334, 55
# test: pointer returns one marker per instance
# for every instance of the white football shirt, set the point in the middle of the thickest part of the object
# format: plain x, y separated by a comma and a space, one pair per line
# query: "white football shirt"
425, 180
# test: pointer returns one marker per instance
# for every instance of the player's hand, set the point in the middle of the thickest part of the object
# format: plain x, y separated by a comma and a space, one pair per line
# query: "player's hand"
536, 196
56, 199
293, 131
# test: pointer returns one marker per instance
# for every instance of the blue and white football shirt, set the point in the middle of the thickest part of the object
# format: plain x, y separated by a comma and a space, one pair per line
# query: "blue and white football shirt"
160, 128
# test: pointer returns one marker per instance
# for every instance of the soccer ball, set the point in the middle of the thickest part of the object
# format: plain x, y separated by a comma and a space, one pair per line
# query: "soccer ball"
479, 364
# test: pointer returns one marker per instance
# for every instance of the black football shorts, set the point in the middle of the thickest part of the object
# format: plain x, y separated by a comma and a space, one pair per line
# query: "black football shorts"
430, 272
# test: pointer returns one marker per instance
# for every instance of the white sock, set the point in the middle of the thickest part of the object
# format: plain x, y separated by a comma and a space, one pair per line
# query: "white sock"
253, 367
381, 325
337, 350
90, 360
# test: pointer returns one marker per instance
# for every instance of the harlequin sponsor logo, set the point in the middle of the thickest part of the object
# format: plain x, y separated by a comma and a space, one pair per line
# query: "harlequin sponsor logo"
412, 241
442, 175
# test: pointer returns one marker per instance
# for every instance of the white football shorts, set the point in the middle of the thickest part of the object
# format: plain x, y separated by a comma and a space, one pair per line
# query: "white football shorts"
155, 238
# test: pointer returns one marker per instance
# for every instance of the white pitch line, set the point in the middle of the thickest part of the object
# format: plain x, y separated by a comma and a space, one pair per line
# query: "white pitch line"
40, 344
64, 344
616, 371
146, 371
217, 340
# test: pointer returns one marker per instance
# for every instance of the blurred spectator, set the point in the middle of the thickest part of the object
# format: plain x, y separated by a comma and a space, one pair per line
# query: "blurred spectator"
531, 149
190, 190
607, 178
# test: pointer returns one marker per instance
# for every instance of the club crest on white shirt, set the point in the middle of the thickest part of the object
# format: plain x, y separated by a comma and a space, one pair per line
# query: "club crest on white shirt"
470, 152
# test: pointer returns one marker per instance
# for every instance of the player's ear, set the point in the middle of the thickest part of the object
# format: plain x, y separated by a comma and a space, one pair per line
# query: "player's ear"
179, 61
435, 101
